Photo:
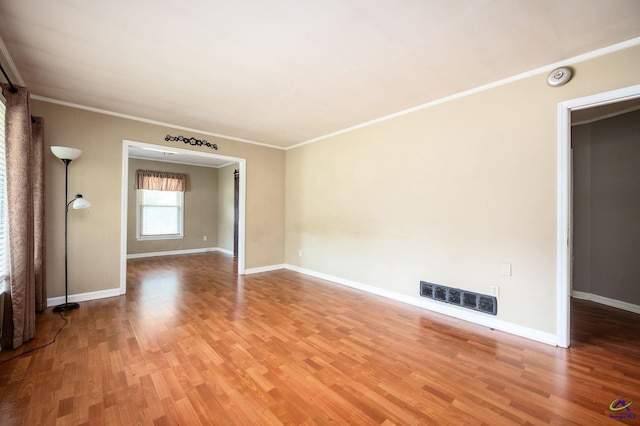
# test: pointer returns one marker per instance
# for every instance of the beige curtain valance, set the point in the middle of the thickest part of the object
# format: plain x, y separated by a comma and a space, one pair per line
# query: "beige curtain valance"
160, 181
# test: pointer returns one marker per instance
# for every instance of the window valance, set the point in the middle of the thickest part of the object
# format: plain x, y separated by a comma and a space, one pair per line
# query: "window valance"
160, 181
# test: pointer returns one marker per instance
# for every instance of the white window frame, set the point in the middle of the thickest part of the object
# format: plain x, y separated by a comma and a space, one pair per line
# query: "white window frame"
139, 206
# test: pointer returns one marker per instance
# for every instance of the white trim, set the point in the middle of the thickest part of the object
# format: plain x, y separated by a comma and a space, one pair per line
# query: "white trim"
149, 121
159, 237
182, 151
580, 58
124, 200
564, 236
563, 222
84, 297
226, 251
442, 308
619, 304
242, 208
605, 98
179, 161
174, 252
263, 269
606, 116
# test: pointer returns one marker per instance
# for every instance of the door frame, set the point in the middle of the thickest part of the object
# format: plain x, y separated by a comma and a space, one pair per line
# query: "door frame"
242, 167
236, 211
564, 243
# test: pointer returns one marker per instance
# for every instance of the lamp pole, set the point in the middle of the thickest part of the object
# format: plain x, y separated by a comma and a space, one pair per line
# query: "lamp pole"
67, 155
66, 306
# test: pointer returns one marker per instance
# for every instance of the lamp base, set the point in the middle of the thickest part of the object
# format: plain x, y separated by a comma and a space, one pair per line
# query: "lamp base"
66, 307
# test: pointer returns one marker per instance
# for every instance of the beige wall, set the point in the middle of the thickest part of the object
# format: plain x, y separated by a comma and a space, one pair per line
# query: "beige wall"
94, 233
226, 206
200, 208
607, 208
447, 194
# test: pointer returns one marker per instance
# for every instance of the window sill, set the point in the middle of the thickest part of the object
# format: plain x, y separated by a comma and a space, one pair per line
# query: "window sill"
160, 237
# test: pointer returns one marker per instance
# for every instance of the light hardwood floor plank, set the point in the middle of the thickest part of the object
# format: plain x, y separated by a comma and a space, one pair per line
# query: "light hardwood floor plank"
194, 343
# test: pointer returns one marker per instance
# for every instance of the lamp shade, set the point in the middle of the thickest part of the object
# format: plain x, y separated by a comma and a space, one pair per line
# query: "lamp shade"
65, 153
80, 203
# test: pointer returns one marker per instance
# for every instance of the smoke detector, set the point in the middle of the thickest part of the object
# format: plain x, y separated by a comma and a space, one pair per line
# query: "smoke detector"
559, 77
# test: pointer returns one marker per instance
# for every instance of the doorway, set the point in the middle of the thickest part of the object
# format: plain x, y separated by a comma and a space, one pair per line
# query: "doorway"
565, 200
189, 157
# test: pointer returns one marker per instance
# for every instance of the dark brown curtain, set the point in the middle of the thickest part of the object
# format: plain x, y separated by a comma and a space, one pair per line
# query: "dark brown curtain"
37, 135
25, 291
160, 181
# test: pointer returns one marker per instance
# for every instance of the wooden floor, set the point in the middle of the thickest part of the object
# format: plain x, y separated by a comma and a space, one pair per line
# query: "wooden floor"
192, 343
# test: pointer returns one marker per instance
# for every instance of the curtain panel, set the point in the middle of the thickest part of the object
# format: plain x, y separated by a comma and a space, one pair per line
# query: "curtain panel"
25, 291
160, 181
39, 247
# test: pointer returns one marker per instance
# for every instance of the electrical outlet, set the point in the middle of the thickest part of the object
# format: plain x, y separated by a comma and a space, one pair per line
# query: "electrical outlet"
495, 290
204, 238
300, 252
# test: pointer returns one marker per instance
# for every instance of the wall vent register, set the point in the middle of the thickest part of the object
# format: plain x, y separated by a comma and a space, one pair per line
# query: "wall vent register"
463, 298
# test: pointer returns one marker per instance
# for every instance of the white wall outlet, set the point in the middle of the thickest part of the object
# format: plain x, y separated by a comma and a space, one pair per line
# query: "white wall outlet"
495, 290
204, 238
300, 252
506, 269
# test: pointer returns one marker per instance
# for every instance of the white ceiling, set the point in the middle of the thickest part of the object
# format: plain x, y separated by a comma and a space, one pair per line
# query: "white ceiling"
170, 155
283, 72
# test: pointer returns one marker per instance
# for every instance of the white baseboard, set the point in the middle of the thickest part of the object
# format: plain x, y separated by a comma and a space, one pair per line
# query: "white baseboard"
83, 297
442, 308
263, 269
224, 250
606, 301
453, 311
174, 252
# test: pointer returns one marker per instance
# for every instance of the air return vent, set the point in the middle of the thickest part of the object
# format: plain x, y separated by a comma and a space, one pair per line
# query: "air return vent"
463, 298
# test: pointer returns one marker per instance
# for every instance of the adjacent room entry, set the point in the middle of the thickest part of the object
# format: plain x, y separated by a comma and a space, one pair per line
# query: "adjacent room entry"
606, 204
145, 151
572, 229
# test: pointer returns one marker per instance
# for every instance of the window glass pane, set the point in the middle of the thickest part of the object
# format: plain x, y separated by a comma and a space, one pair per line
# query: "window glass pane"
160, 198
160, 220
160, 213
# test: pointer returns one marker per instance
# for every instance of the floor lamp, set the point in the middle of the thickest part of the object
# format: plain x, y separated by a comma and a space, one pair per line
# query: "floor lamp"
67, 155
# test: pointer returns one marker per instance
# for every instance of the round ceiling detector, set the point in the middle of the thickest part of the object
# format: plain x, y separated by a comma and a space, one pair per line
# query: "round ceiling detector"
559, 77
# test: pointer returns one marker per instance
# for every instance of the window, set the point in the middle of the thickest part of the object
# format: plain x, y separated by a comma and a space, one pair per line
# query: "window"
160, 202
160, 214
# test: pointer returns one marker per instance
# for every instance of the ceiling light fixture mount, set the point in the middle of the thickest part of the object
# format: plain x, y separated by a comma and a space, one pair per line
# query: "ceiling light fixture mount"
559, 77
